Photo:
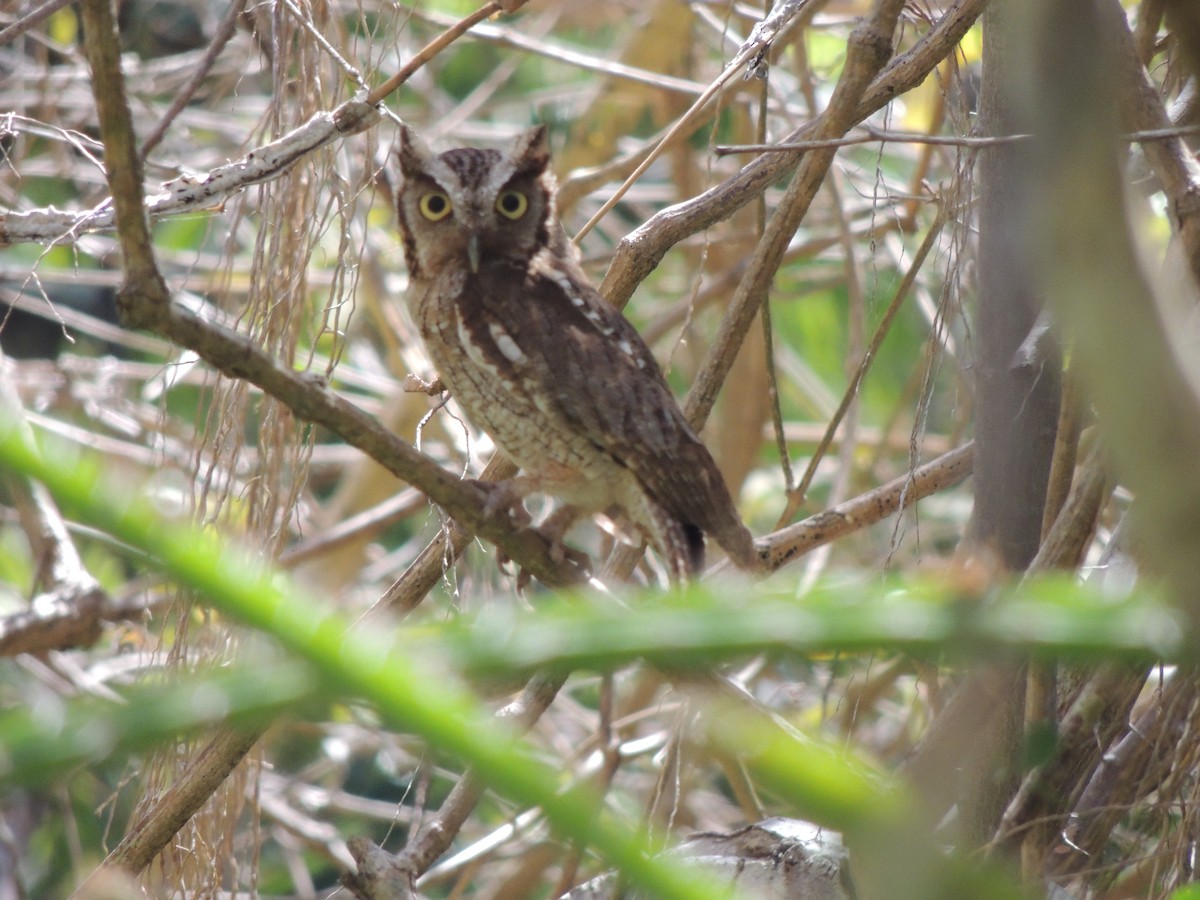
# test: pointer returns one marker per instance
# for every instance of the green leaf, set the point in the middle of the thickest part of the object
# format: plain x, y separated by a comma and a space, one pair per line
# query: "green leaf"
43, 743
409, 689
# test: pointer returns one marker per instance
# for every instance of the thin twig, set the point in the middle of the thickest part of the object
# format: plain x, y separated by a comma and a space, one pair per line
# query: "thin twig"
642, 249
376, 868
873, 136
440, 43
368, 522
790, 543
684, 121
750, 54
321, 41
878, 135
773, 400
522, 40
183, 96
438, 555
867, 52
30, 19
192, 193
796, 496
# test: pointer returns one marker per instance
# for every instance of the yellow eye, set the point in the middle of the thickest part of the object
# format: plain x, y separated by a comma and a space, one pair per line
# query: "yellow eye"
434, 206
512, 204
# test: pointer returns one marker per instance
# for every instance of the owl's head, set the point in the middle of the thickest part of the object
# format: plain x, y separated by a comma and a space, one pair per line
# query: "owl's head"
471, 208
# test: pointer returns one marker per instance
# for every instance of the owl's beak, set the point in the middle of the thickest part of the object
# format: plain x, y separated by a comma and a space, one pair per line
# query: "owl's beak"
473, 253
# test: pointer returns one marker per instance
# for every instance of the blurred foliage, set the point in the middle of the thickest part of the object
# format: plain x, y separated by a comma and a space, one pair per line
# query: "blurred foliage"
857, 644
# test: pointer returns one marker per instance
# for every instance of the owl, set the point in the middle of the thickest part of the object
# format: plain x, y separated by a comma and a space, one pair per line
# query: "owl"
538, 359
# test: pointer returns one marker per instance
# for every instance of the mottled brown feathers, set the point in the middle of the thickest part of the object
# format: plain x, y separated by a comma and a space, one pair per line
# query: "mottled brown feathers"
535, 356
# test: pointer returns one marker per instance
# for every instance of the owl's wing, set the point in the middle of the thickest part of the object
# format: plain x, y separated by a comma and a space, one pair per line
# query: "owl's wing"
582, 355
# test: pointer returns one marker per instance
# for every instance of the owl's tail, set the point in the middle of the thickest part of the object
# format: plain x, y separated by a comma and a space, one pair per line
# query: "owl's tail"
682, 545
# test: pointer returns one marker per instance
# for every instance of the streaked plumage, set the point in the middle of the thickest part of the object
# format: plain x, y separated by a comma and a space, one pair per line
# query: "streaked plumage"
536, 357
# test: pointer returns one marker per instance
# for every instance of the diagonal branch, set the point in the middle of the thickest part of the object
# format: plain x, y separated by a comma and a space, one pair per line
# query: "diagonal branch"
183, 97
196, 194
380, 872
643, 249
1171, 159
785, 545
123, 163
31, 20
145, 303
312, 400
867, 52
71, 605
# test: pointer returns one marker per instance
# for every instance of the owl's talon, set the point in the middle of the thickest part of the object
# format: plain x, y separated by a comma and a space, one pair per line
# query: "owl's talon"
503, 497
555, 529
560, 554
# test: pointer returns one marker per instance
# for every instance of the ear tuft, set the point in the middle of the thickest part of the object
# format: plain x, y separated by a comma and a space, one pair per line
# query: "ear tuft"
531, 150
412, 152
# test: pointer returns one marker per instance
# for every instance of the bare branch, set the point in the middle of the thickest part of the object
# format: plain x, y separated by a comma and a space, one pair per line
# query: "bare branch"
643, 248
312, 400
788, 544
208, 769
122, 163
440, 43
796, 495
184, 96
30, 19
874, 135
195, 194
71, 606
867, 52
1171, 158
382, 874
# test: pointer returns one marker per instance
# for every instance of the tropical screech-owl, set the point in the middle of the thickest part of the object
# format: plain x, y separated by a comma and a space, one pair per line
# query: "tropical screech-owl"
536, 357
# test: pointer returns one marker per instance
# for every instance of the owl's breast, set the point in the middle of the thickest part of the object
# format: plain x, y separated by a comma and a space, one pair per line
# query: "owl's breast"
505, 391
